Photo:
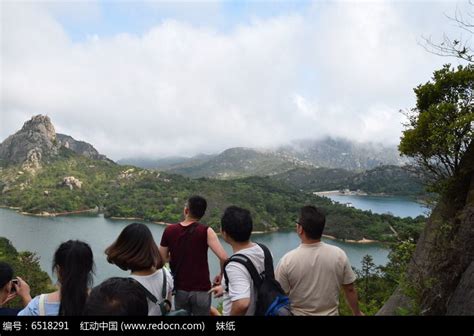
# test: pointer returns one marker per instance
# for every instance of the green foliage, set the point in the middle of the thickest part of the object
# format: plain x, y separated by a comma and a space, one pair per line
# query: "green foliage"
440, 127
26, 265
392, 180
367, 272
126, 191
375, 284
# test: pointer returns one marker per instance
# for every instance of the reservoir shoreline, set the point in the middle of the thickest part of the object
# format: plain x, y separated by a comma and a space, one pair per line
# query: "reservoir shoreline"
96, 212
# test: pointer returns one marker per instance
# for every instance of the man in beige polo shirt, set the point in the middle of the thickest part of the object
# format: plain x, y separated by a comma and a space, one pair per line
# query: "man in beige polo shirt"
313, 273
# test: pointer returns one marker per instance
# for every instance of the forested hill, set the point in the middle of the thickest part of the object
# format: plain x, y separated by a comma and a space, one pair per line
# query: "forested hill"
26, 265
392, 180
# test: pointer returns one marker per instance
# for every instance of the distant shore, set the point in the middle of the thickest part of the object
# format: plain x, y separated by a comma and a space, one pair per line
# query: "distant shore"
345, 193
352, 241
52, 214
127, 218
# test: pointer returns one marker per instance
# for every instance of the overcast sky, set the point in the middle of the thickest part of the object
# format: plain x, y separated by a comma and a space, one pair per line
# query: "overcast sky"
162, 79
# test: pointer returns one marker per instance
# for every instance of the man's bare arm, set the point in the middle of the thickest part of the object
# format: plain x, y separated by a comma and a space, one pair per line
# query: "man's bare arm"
164, 253
351, 297
239, 307
216, 247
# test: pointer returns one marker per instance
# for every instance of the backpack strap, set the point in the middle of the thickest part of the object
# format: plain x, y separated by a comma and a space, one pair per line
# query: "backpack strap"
148, 294
164, 289
165, 305
244, 260
41, 307
269, 271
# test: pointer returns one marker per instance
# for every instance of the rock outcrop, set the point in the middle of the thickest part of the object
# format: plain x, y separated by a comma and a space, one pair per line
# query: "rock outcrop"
79, 147
441, 273
38, 142
35, 141
71, 182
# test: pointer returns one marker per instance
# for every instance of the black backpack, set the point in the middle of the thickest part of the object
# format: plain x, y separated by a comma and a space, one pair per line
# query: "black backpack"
271, 299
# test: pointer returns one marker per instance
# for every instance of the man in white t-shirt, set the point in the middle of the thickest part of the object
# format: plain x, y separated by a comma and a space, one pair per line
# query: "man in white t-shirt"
313, 273
240, 296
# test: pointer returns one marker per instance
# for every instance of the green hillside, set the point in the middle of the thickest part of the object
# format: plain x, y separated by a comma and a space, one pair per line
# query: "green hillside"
127, 191
392, 180
25, 265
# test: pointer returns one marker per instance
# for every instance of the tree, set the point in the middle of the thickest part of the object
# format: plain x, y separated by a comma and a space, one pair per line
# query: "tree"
367, 272
458, 47
440, 127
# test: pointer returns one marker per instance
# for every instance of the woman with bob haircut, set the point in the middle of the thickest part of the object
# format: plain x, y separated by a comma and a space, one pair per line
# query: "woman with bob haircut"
135, 250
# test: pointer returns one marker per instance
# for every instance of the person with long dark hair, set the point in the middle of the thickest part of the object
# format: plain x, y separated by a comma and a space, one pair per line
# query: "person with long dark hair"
136, 251
73, 264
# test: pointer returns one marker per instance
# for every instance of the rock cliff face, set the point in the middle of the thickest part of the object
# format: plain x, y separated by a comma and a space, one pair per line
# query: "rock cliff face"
441, 273
80, 147
35, 141
38, 142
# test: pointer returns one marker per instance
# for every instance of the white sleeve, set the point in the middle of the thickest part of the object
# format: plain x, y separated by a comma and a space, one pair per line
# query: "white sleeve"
240, 281
169, 281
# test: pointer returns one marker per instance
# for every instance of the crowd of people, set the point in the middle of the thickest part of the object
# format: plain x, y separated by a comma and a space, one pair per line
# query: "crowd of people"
311, 276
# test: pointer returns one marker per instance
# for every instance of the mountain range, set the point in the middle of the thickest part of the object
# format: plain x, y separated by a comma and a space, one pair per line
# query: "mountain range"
45, 173
243, 162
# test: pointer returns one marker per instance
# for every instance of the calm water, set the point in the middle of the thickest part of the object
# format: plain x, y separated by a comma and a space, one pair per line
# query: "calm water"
43, 235
398, 206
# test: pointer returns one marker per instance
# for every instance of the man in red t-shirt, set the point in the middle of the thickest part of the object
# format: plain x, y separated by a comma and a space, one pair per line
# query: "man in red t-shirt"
185, 246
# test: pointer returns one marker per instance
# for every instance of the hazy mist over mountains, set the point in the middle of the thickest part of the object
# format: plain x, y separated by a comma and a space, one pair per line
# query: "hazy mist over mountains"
239, 161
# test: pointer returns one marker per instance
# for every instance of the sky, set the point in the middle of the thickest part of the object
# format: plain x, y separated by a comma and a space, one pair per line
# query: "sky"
156, 79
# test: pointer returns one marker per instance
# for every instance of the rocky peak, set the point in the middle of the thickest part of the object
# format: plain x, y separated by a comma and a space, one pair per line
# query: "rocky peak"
34, 142
40, 124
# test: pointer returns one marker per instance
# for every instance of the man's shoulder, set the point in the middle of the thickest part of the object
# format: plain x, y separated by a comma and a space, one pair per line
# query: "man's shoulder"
171, 228
202, 226
291, 254
250, 252
255, 254
332, 249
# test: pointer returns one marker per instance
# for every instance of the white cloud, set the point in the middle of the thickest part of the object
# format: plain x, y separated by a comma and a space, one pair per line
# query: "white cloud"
340, 69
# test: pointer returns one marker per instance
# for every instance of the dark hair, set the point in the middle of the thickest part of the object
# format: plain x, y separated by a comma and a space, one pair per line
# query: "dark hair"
197, 206
312, 220
117, 296
6, 274
74, 263
237, 223
135, 249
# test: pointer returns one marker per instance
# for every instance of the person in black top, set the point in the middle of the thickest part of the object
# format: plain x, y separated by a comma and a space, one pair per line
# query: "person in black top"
10, 288
117, 297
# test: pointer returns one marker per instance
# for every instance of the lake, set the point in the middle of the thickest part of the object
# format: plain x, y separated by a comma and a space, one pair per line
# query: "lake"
44, 234
395, 205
